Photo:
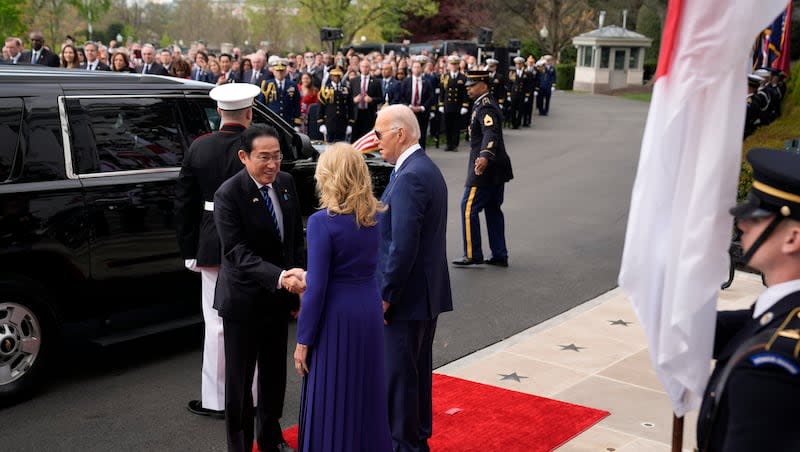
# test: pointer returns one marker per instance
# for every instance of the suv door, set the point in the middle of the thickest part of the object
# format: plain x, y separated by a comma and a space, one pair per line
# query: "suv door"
127, 151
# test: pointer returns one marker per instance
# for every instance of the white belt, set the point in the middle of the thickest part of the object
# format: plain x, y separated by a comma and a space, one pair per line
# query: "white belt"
208, 206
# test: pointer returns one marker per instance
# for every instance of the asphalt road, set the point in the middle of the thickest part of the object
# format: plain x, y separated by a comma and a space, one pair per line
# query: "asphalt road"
566, 212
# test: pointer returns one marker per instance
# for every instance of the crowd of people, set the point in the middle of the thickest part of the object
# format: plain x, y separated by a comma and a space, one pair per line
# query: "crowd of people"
766, 88
332, 97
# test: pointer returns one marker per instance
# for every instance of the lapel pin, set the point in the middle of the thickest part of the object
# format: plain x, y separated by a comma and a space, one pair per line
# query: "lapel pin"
766, 318
255, 200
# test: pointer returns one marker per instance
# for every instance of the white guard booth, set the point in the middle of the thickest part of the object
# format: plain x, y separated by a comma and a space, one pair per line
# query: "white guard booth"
609, 58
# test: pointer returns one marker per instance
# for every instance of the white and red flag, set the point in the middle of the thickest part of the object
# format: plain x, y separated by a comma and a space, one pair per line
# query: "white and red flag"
368, 143
679, 230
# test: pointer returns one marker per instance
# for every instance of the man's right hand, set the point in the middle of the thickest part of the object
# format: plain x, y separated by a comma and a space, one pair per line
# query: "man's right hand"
191, 264
294, 280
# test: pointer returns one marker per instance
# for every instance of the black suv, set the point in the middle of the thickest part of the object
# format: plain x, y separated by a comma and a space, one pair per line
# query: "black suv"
88, 167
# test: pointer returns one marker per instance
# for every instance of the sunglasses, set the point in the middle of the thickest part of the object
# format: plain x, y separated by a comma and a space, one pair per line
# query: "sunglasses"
379, 134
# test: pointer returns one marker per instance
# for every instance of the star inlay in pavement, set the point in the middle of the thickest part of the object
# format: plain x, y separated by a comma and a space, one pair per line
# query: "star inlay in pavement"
620, 322
512, 376
571, 347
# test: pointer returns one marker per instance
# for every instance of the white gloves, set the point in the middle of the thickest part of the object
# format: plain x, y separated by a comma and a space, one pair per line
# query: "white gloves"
441, 109
526, 100
349, 130
463, 111
297, 129
323, 130
191, 264
432, 115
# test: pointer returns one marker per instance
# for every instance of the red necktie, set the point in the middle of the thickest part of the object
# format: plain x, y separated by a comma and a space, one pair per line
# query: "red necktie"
415, 102
363, 104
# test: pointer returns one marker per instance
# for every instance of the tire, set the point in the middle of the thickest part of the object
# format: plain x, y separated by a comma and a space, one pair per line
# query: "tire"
28, 335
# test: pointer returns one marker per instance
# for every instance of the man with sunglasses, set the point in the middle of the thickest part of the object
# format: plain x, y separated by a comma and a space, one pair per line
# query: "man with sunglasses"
412, 274
752, 395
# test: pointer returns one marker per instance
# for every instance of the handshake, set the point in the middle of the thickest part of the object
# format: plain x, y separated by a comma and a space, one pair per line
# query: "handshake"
294, 280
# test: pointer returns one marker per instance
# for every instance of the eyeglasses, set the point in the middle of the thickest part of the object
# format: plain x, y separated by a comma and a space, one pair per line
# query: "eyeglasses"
264, 158
379, 134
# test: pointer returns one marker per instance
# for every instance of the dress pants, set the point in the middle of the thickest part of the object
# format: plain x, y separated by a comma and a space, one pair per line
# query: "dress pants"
263, 339
422, 119
452, 128
489, 199
212, 384
409, 372
543, 101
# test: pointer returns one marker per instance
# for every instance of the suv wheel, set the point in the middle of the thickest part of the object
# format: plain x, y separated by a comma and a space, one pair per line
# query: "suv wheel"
26, 322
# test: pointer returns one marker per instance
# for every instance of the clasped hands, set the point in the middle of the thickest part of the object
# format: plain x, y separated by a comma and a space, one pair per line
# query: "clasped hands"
294, 280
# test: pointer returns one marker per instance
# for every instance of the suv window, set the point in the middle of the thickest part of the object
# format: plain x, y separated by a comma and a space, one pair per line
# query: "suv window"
10, 123
112, 134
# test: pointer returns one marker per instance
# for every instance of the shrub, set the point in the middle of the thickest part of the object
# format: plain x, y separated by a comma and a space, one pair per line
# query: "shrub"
565, 75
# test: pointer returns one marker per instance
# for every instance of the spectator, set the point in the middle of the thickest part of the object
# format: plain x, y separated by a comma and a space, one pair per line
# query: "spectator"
181, 69
14, 46
93, 63
308, 97
214, 70
120, 63
69, 57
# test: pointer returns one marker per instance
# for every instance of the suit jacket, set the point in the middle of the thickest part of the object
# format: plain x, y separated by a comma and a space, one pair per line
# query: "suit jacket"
210, 161
391, 91
253, 254
426, 96
757, 406
486, 140
46, 58
231, 77
100, 66
205, 76
412, 263
259, 76
374, 90
155, 69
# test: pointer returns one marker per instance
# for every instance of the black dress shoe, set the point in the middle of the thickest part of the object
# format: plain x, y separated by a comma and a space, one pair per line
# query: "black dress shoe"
196, 407
465, 261
283, 447
497, 262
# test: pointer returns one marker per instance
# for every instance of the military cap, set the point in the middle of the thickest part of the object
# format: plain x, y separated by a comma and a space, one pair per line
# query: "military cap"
763, 72
336, 71
474, 77
776, 185
453, 59
278, 65
422, 59
754, 80
234, 96
492, 62
772, 71
519, 59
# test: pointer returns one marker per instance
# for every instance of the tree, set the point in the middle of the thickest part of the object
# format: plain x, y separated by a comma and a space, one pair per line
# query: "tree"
11, 18
51, 17
353, 17
554, 22
92, 11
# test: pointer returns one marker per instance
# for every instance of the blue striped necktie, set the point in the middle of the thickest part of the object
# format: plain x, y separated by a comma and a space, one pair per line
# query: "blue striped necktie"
271, 208
392, 176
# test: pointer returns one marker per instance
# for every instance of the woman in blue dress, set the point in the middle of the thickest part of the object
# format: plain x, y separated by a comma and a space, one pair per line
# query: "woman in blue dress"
340, 328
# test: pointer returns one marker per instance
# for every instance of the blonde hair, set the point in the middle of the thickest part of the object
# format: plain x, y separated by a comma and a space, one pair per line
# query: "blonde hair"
344, 184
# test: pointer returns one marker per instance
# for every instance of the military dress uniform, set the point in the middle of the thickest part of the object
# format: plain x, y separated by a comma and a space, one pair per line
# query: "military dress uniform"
521, 87
335, 111
284, 101
750, 403
485, 191
210, 161
455, 103
497, 88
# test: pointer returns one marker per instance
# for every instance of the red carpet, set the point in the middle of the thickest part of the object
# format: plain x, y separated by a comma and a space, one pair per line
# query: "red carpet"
473, 416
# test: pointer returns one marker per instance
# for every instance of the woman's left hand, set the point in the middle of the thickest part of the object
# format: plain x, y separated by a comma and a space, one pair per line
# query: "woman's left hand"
300, 355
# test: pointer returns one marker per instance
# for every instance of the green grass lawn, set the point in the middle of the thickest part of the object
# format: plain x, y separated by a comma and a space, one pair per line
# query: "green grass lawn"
641, 97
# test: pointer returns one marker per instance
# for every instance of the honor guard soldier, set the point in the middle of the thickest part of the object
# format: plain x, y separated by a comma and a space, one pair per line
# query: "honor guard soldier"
497, 84
521, 82
488, 171
756, 103
210, 161
453, 101
432, 76
547, 79
335, 117
752, 396
281, 95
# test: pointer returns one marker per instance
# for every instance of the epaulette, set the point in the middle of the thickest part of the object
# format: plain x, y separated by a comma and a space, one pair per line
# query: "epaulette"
786, 339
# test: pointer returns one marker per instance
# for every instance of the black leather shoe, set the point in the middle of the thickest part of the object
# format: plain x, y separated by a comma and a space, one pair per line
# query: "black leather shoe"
283, 447
196, 407
465, 261
497, 262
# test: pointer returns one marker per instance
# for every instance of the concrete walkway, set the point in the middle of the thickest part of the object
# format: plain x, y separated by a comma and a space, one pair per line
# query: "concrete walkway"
595, 355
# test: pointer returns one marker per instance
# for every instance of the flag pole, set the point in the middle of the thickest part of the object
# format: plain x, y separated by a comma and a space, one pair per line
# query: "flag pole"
677, 433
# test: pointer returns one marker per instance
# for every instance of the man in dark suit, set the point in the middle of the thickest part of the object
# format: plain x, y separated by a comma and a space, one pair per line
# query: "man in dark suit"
210, 161
149, 64
259, 223
454, 103
418, 95
92, 62
390, 86
753, 394
228, 74
40, 54
366, 92
258, 74
488, 171
15, 53
412, 274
